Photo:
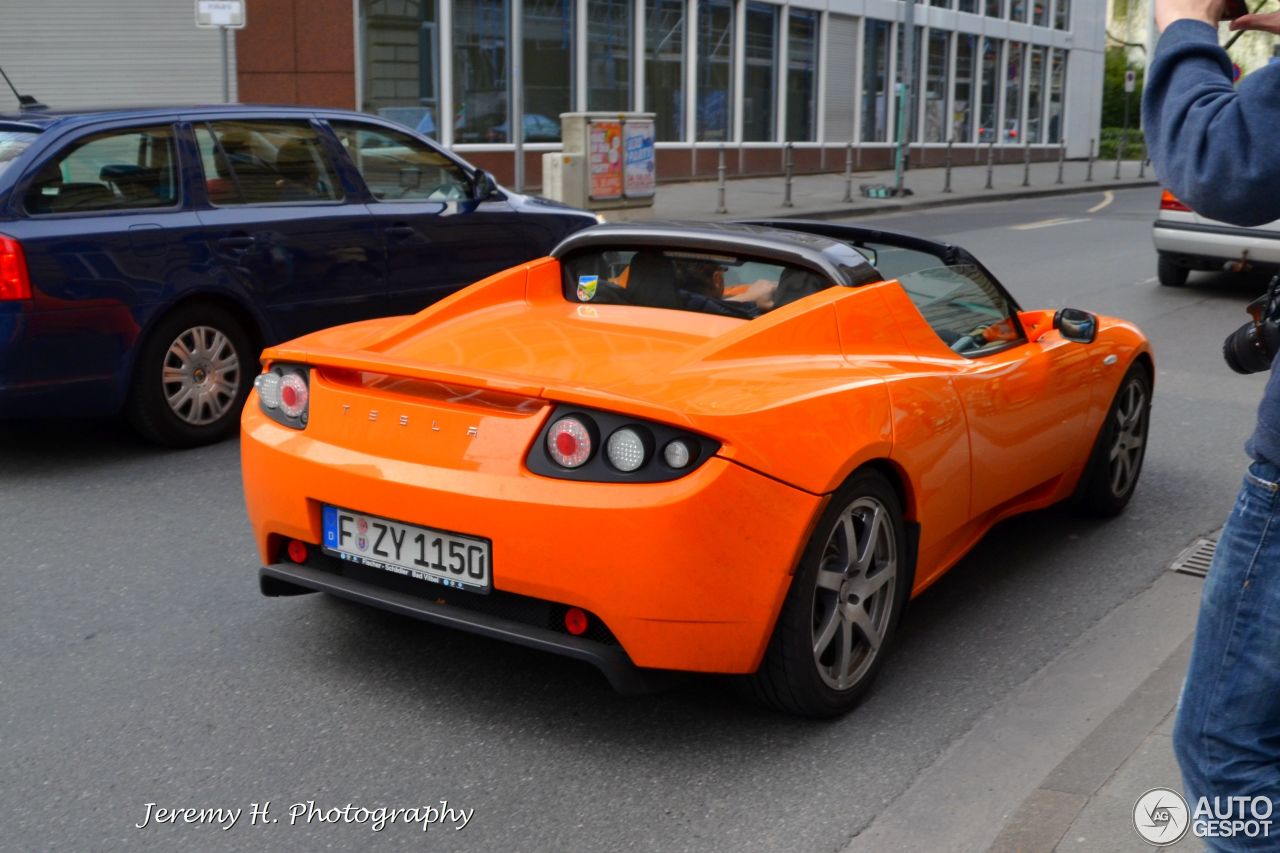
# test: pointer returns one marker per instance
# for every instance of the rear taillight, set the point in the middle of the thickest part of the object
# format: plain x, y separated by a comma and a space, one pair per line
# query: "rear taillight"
284, 394
14, 282
1169, 201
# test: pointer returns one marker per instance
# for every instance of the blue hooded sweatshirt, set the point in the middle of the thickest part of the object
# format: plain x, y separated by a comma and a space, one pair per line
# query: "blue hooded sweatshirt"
1217, 148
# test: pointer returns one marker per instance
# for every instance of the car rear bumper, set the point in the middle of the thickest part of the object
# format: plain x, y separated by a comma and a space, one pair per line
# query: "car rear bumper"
686, 575
1224, 242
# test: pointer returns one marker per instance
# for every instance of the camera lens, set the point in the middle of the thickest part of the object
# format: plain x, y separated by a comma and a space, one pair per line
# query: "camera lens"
1245, 351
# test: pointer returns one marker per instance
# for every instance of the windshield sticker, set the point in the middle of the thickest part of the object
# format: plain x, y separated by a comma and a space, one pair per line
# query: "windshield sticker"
587, 287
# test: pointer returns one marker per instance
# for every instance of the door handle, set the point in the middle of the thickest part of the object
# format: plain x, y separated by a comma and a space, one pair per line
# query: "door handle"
238, 244
401, 232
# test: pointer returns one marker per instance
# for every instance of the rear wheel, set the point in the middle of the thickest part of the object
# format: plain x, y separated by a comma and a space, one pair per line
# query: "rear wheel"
193, 374
1116, 461
1169, 272
843, 606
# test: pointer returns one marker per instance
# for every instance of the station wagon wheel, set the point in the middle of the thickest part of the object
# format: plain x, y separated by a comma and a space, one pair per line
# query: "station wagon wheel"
192, 377
840, 614
1116, 461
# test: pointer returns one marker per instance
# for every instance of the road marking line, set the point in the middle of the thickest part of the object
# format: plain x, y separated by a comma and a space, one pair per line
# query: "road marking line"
1045, 223
1107, 197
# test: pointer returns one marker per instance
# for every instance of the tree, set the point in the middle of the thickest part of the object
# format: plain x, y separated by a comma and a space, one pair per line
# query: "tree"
1113, 94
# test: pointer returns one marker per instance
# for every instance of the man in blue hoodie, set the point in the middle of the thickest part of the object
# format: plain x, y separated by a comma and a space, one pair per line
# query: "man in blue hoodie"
1217, 147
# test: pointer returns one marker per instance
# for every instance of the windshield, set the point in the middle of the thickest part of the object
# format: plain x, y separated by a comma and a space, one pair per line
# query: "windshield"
709, 282
13, 143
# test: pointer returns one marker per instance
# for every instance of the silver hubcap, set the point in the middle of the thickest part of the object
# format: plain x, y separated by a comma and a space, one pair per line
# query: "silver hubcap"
201, 374
1130, 437
853, 599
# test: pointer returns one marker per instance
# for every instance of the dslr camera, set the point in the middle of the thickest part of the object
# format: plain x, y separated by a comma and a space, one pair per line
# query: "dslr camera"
1252, 347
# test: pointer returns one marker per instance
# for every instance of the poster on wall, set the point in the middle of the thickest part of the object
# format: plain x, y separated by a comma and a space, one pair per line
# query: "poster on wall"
640, 170
604, 139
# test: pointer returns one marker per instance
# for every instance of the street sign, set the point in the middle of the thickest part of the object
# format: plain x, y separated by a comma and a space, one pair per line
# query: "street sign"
1130, 80
214, 14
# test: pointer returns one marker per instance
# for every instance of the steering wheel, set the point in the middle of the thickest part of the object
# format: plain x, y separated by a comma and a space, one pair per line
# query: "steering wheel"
974, 338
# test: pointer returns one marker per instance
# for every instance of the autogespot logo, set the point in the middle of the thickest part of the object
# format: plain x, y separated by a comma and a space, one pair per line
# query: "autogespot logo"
1160, 816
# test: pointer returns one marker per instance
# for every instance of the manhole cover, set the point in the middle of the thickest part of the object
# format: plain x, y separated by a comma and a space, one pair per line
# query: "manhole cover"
1197, 557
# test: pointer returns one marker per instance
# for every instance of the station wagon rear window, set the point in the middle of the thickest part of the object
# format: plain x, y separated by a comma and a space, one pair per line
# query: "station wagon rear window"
13, 143
710, 282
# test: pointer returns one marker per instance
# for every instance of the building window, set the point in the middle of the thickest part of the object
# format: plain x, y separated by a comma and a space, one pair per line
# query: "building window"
994, 8
1035, 94
946, 4
802, 76
989, 109
1013, 130
935, 86
1057, 92
401, 62
962, 111
608, 55
548, 68
970, 6
664, 67
480, 70
715, 70
911, 129
1040, 13
1062, 15
875, 82
1018, 10
760, 84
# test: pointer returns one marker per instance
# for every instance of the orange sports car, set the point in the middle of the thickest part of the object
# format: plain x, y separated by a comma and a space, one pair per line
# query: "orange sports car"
734, 448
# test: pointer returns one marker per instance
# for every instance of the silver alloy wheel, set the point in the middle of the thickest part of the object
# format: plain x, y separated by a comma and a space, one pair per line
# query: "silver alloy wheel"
1130, 436
200, 374
854, 594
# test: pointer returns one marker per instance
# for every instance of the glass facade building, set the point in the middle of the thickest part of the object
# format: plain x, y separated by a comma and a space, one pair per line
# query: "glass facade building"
744, 73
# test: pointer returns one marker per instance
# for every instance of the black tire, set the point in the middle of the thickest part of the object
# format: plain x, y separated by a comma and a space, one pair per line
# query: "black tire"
1169, 272
1111, 474
189, 401
795, 678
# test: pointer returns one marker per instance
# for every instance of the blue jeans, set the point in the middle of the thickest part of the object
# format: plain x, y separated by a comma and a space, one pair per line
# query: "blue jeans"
1227, 733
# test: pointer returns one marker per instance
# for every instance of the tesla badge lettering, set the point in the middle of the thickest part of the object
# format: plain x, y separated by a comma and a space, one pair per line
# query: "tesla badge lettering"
373, 414
403, 420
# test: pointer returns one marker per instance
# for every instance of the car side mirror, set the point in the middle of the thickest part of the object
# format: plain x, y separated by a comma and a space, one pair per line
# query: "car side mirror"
482, 185
410, 178
1076, 325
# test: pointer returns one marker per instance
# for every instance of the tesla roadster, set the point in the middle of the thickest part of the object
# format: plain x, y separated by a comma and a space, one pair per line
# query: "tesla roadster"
735, 448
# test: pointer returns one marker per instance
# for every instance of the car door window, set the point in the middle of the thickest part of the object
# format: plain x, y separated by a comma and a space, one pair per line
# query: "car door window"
964, 306
265, 162
126, 169
398, 167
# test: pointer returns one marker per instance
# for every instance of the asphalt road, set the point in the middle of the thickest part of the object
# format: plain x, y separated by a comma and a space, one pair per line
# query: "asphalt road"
138, 663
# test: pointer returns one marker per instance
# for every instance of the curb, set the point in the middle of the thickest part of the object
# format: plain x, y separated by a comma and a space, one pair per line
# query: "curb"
958, 199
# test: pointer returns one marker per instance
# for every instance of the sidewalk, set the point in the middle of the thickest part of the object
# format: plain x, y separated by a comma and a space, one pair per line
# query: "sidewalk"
822, 196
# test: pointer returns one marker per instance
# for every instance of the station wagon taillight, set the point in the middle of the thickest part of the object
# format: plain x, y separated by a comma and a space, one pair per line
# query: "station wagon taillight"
14, 282
1169, 201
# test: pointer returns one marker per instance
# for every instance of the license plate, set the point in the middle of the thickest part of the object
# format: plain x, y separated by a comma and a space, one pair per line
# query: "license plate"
425, 553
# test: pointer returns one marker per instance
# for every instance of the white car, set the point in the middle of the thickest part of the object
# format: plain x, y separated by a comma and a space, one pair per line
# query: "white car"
1187, 241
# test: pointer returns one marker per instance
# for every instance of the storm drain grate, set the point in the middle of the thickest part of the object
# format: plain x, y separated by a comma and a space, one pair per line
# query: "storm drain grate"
1197, 558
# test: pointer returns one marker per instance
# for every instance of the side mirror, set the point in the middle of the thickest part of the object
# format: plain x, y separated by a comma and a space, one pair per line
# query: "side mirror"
1076, 325
410, 178
482, 185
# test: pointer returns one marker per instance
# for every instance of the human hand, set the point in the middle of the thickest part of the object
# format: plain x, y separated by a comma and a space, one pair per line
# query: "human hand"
1209, 11
1268, 23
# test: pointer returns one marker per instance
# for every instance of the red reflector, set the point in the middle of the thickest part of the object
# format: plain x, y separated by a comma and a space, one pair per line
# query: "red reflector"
14, 283
297, 551
575, 621
1168, 201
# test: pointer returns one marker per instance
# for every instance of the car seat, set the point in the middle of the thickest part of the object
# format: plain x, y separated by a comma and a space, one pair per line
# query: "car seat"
652, 281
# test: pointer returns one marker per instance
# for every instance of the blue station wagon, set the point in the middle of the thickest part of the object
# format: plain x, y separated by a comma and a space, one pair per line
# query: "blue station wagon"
146, 256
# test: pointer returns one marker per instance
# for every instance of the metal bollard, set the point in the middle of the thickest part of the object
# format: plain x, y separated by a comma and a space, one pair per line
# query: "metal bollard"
848, 174
1119, 153
720, 208
1088, 175
946, 184
1142, 166
1026, 164
1062, 158
788, 165
991, 153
